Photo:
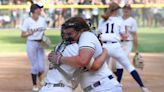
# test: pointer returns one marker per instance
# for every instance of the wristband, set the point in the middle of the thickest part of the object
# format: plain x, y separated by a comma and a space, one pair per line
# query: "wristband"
58, 59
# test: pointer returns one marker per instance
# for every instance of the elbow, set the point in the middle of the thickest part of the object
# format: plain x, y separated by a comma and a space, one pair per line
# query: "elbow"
95, 67
82, 63
22, 36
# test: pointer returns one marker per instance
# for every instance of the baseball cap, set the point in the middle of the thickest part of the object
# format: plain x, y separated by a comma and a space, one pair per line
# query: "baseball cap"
35, 6
127, 6
113, 6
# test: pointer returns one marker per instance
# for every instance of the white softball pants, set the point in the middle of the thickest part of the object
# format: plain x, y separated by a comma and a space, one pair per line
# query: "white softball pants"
50, 88
36, 55
127, 48
115, 51
108, 85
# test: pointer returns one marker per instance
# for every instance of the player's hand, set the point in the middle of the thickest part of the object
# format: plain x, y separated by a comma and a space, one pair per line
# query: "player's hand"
124, 36
29, 32
54, 57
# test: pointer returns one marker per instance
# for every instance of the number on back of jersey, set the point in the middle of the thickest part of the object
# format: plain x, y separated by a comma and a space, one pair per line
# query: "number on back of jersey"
109, 28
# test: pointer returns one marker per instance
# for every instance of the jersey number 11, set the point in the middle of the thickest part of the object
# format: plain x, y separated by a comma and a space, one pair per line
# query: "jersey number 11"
107, 28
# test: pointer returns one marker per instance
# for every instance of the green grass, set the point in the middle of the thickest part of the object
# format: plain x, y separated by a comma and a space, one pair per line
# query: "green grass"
10, 41
150, 40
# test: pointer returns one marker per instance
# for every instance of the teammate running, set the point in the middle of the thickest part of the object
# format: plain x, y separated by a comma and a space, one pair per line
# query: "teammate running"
131, 28
112, 30
33, 29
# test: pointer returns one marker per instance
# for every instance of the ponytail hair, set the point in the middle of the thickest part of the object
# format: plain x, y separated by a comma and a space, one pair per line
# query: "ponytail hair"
31, 1
106, 15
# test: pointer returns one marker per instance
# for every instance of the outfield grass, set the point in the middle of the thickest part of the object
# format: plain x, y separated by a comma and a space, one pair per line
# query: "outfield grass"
150, 40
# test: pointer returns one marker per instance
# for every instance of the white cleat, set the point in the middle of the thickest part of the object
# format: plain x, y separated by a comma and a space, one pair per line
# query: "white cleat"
35, 89
145, 89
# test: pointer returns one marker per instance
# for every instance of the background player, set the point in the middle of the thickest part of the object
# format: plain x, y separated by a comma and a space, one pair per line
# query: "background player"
112, 29
131, 41
33, 29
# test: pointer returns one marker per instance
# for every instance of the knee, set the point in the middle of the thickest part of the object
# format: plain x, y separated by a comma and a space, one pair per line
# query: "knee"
42, 68
130, 68
34, 69
118, 66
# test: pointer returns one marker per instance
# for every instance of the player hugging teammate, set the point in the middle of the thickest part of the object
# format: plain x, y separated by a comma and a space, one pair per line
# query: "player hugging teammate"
83, 54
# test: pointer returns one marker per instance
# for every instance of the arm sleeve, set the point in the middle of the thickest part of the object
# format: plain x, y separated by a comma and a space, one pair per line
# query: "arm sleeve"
87, 40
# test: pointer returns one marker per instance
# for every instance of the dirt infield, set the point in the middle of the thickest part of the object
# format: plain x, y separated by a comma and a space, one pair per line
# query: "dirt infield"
15, 74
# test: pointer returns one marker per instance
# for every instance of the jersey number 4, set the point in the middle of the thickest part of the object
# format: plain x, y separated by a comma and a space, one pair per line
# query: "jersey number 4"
107, 28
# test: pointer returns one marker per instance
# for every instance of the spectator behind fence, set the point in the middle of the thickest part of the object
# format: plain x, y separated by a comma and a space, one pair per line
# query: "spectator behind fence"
145, 16
95, 12
59, 14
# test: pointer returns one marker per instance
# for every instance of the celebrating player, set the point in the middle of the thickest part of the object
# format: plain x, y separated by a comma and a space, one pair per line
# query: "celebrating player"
112, 30
98, 80
33, 29
55, 80
131, 28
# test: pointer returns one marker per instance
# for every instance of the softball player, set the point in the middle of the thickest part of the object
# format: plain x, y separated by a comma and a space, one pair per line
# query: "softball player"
131, 28
112, 30
33, 29
91, 81
55, 81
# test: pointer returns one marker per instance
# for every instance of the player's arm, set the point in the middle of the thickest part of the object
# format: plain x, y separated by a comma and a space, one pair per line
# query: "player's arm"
135, 37
86, 51
25, 29
123, 31
81, 60
135, 41
26, 33
99, 61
